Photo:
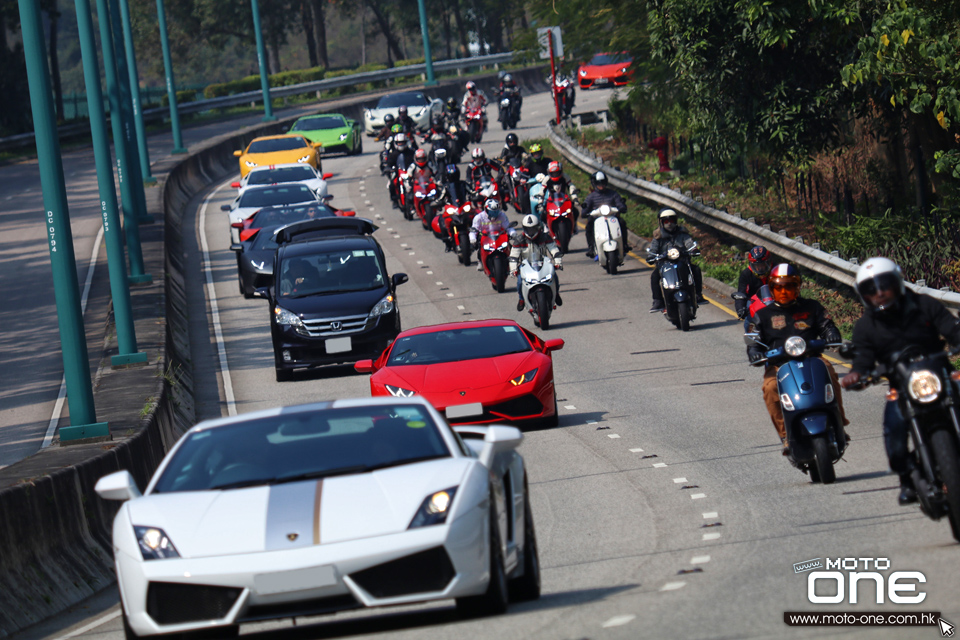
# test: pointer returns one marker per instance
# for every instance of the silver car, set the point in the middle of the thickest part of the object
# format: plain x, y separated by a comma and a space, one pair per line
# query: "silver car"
419, 107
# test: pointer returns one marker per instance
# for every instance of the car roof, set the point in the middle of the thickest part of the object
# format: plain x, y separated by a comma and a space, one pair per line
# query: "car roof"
322, 115
277, 137
280, 165
453, 326
314, 245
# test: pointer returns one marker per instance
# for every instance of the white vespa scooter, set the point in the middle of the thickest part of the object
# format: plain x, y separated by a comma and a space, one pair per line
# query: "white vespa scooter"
538, 285
607, 238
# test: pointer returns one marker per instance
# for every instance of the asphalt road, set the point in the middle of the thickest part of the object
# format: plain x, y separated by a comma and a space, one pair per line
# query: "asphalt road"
662, 503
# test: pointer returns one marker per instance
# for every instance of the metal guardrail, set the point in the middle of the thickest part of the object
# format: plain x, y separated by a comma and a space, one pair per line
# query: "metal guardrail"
793, 249
26, 139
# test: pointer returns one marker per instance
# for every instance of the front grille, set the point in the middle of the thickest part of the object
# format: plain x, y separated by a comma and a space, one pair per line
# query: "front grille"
313, 607
174, 603
423, 572
518, 407
324, 327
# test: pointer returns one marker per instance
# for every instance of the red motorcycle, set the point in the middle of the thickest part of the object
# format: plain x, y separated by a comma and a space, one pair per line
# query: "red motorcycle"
424, 193
559, 214
452, 225
403, 198
475, 124
495, 257
564, 93
519, 183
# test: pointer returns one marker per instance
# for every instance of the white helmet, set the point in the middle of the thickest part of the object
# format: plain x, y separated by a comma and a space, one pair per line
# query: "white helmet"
531, 226
879, 274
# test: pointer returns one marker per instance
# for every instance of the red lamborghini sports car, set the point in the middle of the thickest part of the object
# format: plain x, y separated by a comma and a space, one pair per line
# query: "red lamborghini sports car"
605, 70
475, 372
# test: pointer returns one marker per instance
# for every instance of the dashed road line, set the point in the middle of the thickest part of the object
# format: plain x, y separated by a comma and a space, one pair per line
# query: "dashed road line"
449, 295
711, 536
570, 407
697, 496
659, 465
709, 514
679, 480
673, 586
699, 559
618, 621
636, 450
613, 435
460, 307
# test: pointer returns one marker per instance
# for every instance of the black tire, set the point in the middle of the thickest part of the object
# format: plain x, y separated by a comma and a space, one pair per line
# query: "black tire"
474, 131
505, 123
613, 261
359, 150
554, 420
683, 316
499, 271
563, 235
464, 249
544, 307
284, 375
243, 290
527, 586
495, 600
407, 212
945, 453
821, 458
814, 473
427, 219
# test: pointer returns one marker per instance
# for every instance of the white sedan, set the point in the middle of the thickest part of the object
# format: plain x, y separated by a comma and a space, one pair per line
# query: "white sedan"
419, 108
324, 507
284, 173
255, 198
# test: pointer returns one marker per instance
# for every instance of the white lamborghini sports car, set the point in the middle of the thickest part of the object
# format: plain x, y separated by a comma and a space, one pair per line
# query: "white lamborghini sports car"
324, 507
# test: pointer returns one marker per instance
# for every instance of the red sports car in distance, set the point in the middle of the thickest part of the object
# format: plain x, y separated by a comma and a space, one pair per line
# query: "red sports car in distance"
475, 372
605, 69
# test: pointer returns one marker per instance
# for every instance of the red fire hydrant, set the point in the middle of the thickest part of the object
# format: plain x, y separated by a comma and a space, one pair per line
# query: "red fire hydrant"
660, 144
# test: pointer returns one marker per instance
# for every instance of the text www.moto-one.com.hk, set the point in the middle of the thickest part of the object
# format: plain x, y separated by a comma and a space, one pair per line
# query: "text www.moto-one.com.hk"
917, 619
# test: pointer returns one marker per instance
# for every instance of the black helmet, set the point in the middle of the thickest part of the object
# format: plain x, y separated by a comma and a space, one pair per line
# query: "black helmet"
388, 120
512, 140
402, 110
599, 180
452, 103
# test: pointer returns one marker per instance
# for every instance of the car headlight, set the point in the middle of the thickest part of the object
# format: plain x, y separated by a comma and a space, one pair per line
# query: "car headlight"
624, 70
304, 159
583, 72
343, 136
250, 164
422, 111
434, 509
258, 265
828, 394
385, 305
795, 346
154, 543
524, 378
673, 253
786, 402
399, 392
924, 386
282, 316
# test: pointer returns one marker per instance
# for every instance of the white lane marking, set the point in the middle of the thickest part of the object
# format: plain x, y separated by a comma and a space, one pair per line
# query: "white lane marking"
93, 625
673, 586
659, 465
709, 514
699, 559
570, 407
419, 261
412, 253
439, 284
697, 496
389, 228
429, 273
214, 307
636, 450
460, 307
617, 621
711, 536
367, 202
404, 245
9, 198
679, 480
62, 395
613, 435
449, 295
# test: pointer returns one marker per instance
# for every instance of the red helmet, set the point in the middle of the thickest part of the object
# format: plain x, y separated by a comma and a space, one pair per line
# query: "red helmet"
555, 171
471, 86
758, 260
420, 158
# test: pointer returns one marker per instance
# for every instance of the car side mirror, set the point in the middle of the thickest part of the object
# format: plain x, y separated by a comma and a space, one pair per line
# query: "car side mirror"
327, 176
327, 198
262, 292
235, 185
499, 438
119, 485
237, 154
364, 366
224, 207
553, 345
317, 145
236, 247
399, 278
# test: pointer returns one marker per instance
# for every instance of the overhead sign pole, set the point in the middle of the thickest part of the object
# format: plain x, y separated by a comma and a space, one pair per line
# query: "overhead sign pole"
262, 60
428, 59
73, 345
171, 86
135, 94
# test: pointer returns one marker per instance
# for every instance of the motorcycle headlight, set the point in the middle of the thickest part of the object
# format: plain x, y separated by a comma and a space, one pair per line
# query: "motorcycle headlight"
795, 346
433, 193
828, 394
285, 317
154, 544
434, 509
466, 208
546, 279
504, 245
249, 164
786, 402
399, 392
524, 378
505, 102
924, 386
385, 305
673, 253
583, 72
343, 136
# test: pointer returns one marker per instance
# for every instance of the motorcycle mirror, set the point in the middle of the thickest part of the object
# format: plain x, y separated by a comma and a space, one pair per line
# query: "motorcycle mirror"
750, 338
736, 295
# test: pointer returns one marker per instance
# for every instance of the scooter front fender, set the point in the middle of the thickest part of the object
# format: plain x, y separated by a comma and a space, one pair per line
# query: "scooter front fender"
680, 295
814, 424
610, 245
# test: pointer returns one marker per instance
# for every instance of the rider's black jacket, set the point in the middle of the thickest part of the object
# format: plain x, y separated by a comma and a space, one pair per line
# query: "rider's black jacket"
663, 240
516, 153
600, 197
400, 159
538, 166
805, 318
749, 285
409, 126
917, 320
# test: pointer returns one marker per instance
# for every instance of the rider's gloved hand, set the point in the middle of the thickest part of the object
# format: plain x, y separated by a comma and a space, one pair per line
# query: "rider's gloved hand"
755, 356
742, 313
850, 381
558, 264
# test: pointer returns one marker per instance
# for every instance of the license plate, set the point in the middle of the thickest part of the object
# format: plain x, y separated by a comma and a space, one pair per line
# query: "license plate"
602, 81
465, 410
296, 580
339, 345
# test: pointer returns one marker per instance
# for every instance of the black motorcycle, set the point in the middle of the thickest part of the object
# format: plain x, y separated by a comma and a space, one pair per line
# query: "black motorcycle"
509, 113
678, 286
925, 386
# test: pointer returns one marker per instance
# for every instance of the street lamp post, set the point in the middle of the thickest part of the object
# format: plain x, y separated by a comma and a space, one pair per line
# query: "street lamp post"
428, 59
171, 86
262, 59
135, 94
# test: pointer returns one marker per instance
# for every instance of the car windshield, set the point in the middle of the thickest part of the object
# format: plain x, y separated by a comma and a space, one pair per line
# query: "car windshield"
276, 144
267, 196
320, 122
303, 445
610, 58
338, 271
398, 99
455, 345
273, 216
281, 174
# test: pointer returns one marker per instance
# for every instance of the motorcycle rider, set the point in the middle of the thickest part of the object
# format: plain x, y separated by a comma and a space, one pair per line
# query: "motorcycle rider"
386, 131
671, 234
512, 151
474, 100
752, 278
451, 113
601, 195
480, 166
536, 161
533, 244
453, 189
790, 315
491, 221
508, 85
895, 318
409, 126
399, 159
419, 170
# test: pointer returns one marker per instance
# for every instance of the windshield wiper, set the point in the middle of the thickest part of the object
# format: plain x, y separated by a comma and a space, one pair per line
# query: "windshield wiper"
241, 484
322, 473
